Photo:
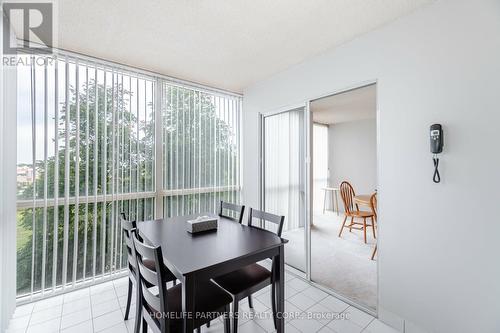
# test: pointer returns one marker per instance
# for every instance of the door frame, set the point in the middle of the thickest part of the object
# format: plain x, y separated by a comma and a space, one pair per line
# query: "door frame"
306, 104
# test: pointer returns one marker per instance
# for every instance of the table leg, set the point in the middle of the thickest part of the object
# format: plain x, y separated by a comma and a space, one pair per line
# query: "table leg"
337, 202
324, 201
188, 292
280, 286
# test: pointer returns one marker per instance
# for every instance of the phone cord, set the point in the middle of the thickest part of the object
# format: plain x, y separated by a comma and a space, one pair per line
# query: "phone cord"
437, 177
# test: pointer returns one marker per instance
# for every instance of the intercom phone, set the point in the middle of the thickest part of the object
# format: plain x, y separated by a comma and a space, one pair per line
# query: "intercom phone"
437, 143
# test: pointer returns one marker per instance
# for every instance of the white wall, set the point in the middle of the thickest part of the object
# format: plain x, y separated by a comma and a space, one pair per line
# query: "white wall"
353, 154
439, 244
7, 189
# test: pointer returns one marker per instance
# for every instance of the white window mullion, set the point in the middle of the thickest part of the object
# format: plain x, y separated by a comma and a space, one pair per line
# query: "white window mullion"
96, 169
66, 177
159, 161
87, 151
45, 173
56, 176
113, 175
77, 174
104, 172
33, 152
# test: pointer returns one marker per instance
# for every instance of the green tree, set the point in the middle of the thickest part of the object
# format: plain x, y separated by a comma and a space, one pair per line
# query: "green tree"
109, 140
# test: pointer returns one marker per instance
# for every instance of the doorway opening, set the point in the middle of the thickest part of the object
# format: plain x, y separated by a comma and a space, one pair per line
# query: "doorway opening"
344, 151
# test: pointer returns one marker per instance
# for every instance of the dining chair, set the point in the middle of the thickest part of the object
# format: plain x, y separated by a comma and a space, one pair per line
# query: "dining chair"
248, 280
373, 204
352, 211
162, 311
231, 208
128, 227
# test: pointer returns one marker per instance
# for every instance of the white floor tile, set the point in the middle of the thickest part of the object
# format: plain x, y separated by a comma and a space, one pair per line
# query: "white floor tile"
376, 326
305, 324
321, 313
344, 326
104, 308
326, 329
48, 303
298, 284
19, 323
46, 314
250, 327
315, 293
103, 296
120, 328
265, 299
85, 327
76, 295
108, 320
49, 326
290, 291
102, 287
76, 318
357, 316
265, 320
23, 310
334, 304
301, 301
76, 305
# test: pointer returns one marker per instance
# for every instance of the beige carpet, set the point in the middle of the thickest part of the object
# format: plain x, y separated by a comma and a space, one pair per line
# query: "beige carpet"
342, 264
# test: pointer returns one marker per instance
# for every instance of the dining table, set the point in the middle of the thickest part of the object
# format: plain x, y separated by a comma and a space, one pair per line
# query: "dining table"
203, 256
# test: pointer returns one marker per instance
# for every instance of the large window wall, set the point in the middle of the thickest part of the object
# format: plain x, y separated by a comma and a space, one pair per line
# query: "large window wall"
95, 140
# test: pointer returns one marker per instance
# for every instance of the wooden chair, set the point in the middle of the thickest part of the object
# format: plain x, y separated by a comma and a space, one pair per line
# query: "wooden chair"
128, 227
373, 204
239, 210
162, 312
252, 278
352, 211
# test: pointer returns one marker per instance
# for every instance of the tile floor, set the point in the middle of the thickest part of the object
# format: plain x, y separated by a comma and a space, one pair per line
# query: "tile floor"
100, 308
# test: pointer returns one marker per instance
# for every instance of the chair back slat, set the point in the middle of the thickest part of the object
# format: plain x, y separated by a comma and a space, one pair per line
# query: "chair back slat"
373, 204
153, 301
278, 220
149, 278
347, 194
237, 209
127, 227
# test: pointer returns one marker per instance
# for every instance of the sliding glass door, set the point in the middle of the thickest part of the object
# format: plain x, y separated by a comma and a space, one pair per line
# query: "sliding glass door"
283, 178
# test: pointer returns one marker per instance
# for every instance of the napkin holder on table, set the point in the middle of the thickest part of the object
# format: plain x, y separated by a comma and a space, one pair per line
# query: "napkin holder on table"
201, 224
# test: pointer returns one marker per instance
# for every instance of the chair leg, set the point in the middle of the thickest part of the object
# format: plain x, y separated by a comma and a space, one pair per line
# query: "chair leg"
352, 223
343, 224
364, 228
273, 305
129, 298
373, 228
138, 311
144, 326
250, 302
374, 251
227, 321
235, 315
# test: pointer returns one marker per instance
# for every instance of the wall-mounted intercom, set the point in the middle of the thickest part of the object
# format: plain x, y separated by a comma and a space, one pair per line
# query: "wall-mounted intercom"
437, 143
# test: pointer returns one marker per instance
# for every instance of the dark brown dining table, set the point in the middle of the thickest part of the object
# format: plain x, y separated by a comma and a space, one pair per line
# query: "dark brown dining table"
198, 257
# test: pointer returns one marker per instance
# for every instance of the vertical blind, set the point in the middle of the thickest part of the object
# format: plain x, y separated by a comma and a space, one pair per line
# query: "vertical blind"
95, 140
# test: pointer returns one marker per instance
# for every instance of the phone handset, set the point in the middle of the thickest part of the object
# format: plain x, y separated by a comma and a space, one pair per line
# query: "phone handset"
437, 143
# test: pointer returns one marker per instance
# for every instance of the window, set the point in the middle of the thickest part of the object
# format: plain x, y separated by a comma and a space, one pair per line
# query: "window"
96, 140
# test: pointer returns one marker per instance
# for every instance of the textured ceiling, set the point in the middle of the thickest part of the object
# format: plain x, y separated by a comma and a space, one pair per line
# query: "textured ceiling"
228, 44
